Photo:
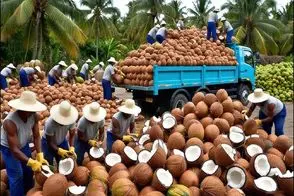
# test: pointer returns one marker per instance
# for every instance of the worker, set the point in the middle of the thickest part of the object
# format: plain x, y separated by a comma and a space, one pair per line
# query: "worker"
151, 36
26, 75
212, 24
70, 73
90, 130
161, 33
98, 67
123, 123
54, 142
54, 75
228, 29
107, 77
272, 111
17, 130
84, 73
180, 23
4, 74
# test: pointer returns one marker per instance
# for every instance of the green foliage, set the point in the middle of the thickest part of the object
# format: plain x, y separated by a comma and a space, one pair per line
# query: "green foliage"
173, 11
200, 12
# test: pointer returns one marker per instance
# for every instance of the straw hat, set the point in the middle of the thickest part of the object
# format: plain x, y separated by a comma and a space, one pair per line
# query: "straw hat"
27, 102
112, 60
223, 19
93, 112
64, 113
11, 66
157, 26
89, 61
130, 107
163, 23
62, 63
101, 63
74, 67
38, 69
258, 96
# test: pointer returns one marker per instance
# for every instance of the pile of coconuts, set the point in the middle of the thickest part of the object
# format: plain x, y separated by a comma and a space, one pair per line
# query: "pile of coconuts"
206, 148
187, 47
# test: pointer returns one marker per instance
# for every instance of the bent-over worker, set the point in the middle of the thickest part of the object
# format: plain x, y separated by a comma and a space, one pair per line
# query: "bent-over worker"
272, 111
228, 29
70, 73
84, 73
107, 77
5, 73
16, 133
212, 24
55, 73
26, 75
180, 23
151, 36
161, 33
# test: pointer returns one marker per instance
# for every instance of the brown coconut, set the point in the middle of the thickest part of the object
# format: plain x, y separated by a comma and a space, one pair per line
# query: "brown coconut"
221, 95
91, 164
199, 96
235, 192
211, 132
250, 127
156, 133
222, 158
180, 129
209, 99
196, 130
117, 167
238, 105
190, 122
195, 191
201, 109
176, 141
177, 165
189, 107
35, 191
156, 182
207, 146
289, 160
142, 174
286, 185
243, 163
194, 141
189, 178
96, 185
275, 152
282, 143
216, 109
154, 193
206, 121
124, 186
118, 175
212, 185
276, 161
222, 124
146, 190
188, 117
178, 114
272, 137
81, 175
228, 105
55, 185
127, 160
221, 139
229, 117
99, 174
262, 133
118, 146
238, 119
158, 159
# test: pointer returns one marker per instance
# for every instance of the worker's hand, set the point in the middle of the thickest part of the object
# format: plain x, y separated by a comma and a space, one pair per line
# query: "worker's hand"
258, 122
64, 153
34, 164
127, 138
93, 143
72, 151
40, 158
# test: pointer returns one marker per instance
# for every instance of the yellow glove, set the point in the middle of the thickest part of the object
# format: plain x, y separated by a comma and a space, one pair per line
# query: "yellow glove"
63, 153
135, 134
72, 150
258, 122
127, 138
40, 158
34, 164
93, 143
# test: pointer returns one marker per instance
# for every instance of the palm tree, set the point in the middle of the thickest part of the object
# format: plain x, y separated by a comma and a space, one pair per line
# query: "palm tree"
112, 48
173, 11
99, 24
200, 11
286, 14
41, 20
250, 18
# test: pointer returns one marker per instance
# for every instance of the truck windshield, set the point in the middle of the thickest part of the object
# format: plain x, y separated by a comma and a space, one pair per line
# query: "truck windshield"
248, 57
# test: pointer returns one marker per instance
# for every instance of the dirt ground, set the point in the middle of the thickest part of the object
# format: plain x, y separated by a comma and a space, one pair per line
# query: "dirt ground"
123, 94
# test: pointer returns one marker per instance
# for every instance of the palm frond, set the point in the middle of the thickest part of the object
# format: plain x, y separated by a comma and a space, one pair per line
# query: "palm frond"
259, 41
7, 8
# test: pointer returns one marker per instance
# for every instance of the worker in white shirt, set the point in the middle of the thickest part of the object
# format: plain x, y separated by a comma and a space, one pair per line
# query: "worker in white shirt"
228, 29
26, 75
180, 23
5, 73
161, 33
84, 73
70, 73
98, 67
55, 73
212, 24
151, 36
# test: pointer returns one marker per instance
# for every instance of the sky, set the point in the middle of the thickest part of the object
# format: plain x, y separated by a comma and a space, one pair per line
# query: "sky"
122, 4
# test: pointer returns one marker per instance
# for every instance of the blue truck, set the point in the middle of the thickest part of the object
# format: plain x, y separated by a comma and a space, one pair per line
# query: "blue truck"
173, 86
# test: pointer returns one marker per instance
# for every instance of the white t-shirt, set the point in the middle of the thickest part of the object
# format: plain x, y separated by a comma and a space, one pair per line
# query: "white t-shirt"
69, 72
108, 72
124, 124
29, 70
90, 130
85, 68
6, 71
97, 68
153, 32
57, 68
180, 24
162, 32
212, 17
227, 26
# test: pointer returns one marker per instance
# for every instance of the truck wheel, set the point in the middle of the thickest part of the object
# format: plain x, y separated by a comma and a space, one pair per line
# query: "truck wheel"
243, 92
178, 101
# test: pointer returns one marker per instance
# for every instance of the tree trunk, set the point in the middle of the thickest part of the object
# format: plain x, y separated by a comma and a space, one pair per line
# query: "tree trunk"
97, 47
36, 48
40, 42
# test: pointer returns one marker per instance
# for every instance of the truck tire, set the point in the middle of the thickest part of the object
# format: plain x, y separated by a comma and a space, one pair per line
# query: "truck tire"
243, 92
178, 101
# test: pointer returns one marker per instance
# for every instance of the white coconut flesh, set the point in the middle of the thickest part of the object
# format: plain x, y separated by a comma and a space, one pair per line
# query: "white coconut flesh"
275, 172
236, 130
252, 136
291, 148
192, 153
159, 143
261, 165
45, 170
145, 129
96, 152
164, 177
155, 119
178, 152
253, 149
236, 137
229, 151
66, 166
169, 122
147, 123
144, 156
236, 177
131, 153
31, 145
288, 174
166, 115
112, 158
266, 184
143, 139
209, 167
225, 136
76, 190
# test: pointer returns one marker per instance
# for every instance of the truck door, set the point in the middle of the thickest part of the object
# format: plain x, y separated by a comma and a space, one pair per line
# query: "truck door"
247, 68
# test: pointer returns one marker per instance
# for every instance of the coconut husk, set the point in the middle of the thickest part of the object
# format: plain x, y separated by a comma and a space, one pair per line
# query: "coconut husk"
212, 185
118, 147
221, 157
124, 186
142, 174
177, 165
118, 175
158, 159
117, 167
55, 185
176, 141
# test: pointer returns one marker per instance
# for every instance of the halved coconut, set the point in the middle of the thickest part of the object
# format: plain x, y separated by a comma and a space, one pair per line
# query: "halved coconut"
274, 172
158, 157
144, 139
155, 120
194, 155
160, 143
111, 159
236, 177
236, 136
66, 167
286, 182
224, 155
289, 159
97, 153
42, 176
235, 192
209, 168
144, 156
266, 185
259, 165
178, 152
129, 156
76, 191
145, 129
253, 150
169, 121
162, 180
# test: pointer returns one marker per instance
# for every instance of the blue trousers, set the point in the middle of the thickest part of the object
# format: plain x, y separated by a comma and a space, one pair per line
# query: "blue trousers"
49, 153
85, 77
51, 80
229, 36
24, 78
80, 148
278, 120
107, 94
150, 39
110, 139
20, 176
211, 30
3, 82
159, 38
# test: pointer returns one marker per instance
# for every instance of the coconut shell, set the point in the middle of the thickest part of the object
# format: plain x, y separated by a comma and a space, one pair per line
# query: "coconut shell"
275, 152
196, 130
252, 168
221, 157
180, 129
222, 124
243, 163
81, 176
211, 132
262, 133
199, 96
156, 184
176, 141
282, 143
156, 133
250, 127
206, 121
118, 175
142, 174
209, 99
255, 140
221, 95
188, 117
286, 185
91, 164
217, 173
55, 185
117, 167
126, 160
194, 141
229, 117
189, 108
238, 106
207, 146
212, 185
177, 165
201, 109
228, 105
158, 160
189, 178
276, 161
124, 186
216, 109
178, 114
238, 117
118, 147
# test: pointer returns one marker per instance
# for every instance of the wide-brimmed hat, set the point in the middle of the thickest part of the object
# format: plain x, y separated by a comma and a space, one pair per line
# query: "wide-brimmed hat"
157, 26
163, 23
89, 61
27, 102
64, 113
74, 67
62, 63
101, 63
258, 96
93, 112
38, 69
112, 60
11, 66
129, 107
223, 19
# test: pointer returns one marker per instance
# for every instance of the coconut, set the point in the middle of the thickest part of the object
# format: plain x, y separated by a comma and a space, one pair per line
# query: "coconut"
254, 139
76, 191
243, 163
124, 186
272, 137
265, 185
36, 191
81, 175
201, 109
66, 167
144, 156
189, 178
146, 190
169, 121
118, 175
111, 159
238, 119
91, 164
209, 99
236, 177
4, 177
118, 147
206, 121
176, 164
180, 129
159, 143
282, 143
155, 121
177, 152
252, 150
97, 153
207, 146
145, 138
162, 180
209, 168
199, 96
189, 107
289, 160
216, 109
229, 117
286, 182
195, 191
259, 165
235, 192
194, 141
99, 174
155, 133
250, 127
40, 177
221, 95
212, 185
238, 106
228, 105
96, 187
222, 139
275, 152
129, 156
178, 114
117, 167
224, 155
236, 136
211, 132
276, 162
176, 141
154, 193
196, 130
55, 185
158, 158
222, 124
262, 134
142, 174
194, 155
188, 117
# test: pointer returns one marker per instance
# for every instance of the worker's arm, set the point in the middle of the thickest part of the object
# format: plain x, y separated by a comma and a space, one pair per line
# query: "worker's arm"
72, 133
13, 142
81, 136
101, 134
251, 109
36, 134
116, 129
51, 142
270, 109
56, 76
132, 127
